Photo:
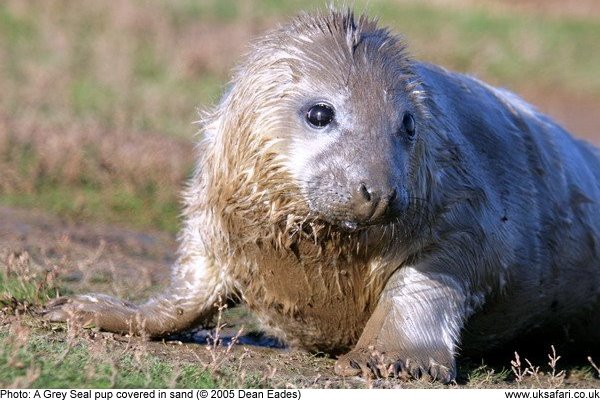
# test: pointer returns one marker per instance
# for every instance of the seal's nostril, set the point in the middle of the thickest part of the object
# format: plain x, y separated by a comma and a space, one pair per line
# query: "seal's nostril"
365, 192
371, 204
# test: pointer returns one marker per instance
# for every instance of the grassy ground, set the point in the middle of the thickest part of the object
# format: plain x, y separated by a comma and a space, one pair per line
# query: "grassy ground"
33, 355
42, 256
96, 109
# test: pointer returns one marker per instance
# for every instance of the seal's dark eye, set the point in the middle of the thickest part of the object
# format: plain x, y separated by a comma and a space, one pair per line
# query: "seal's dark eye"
408, 125
320, 115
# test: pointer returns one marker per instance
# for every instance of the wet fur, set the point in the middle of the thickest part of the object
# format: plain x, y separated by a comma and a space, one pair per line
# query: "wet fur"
499, 236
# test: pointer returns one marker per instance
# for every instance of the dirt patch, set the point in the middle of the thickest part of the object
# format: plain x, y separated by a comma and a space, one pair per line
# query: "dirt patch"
89, 257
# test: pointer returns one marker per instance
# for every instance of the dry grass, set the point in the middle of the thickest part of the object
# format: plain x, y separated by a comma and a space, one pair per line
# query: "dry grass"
90, 171
72, 62
596, 368
32, 154
222, 355
24, 285
529, 373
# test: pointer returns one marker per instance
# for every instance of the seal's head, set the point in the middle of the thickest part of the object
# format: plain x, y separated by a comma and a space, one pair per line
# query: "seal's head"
353, 119
339, 98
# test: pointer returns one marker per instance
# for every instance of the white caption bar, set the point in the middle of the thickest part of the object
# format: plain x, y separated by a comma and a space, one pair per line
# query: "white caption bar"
307, 394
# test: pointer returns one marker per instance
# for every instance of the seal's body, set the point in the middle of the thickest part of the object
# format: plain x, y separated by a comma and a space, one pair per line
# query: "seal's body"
360, 201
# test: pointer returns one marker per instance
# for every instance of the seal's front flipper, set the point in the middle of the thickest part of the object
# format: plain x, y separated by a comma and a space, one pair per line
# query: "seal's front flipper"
190, 300
413, 331
95, 310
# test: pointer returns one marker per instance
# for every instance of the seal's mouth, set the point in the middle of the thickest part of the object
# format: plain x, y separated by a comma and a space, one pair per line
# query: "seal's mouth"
351, 226
348, 224
343, 219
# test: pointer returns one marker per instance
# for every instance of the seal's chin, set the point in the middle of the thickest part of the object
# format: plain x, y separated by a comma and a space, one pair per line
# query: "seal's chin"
351, 225
354, 226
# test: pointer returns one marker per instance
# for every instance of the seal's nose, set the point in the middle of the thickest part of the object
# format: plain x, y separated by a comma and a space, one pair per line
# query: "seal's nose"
370, 205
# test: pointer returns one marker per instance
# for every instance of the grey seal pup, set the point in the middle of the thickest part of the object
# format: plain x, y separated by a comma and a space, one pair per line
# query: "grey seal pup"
371, 206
